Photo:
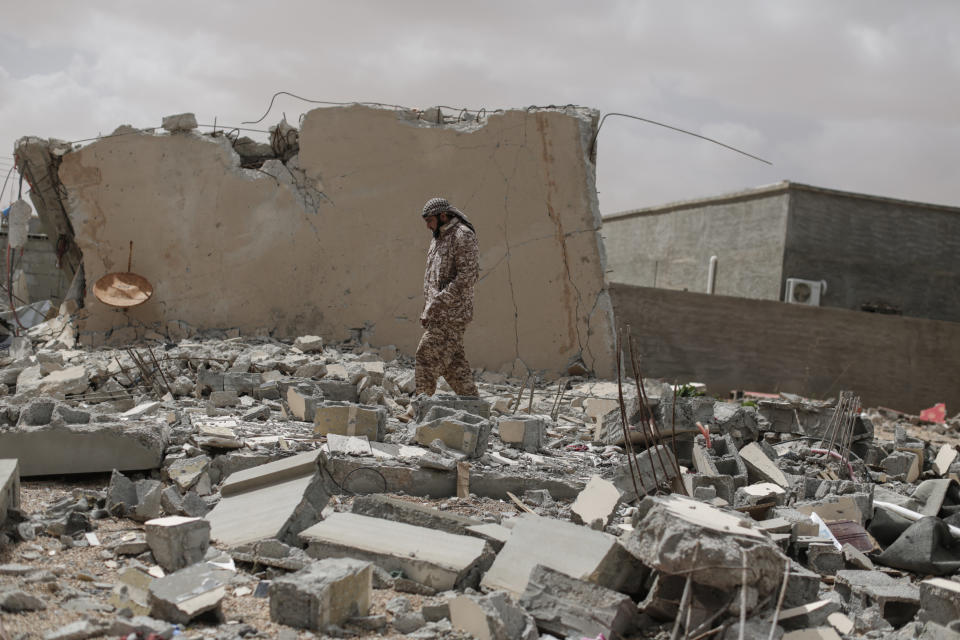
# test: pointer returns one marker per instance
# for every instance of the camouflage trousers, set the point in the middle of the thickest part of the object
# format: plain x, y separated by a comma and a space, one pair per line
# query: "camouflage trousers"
440, 353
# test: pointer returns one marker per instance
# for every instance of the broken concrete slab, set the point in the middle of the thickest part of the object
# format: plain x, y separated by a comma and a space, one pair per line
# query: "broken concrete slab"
349, 419
437, 559
348, 445
325, 592
380, 506
177, 542
572, 549
360, 476
9, 487
656, 468
681, 536
567, 607
597, 502
86, 448
283, 507
185, 594
817, 633
760, 467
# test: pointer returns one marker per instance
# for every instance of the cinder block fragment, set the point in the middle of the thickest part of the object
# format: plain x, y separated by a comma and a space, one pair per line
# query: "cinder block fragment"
348, 419
323, 593
524, 432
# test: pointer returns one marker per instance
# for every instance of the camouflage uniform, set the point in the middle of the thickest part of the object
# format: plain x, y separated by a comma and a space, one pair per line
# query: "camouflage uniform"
453, 265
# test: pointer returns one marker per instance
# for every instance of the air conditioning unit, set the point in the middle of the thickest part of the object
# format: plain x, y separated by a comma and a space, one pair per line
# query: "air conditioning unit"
805, 291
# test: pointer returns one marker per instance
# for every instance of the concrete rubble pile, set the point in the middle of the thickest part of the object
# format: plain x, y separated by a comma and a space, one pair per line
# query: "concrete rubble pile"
306, 481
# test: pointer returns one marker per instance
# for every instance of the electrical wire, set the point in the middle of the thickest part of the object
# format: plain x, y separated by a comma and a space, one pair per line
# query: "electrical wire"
593, 143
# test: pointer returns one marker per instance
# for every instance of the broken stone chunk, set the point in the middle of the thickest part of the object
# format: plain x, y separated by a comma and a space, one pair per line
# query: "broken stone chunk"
458, 430
524, 432
178, 542
325, 592
180, 122
309, 344
185, 594
598, 501
492, 617
567, 607
347, 419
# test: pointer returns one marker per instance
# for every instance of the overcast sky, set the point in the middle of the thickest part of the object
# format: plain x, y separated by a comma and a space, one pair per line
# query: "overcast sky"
860, 96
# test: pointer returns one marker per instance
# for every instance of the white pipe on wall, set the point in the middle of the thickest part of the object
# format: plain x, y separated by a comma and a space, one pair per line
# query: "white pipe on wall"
712, 274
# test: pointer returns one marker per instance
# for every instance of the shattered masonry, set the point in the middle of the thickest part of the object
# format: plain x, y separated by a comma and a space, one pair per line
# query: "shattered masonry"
271, 487
319, 232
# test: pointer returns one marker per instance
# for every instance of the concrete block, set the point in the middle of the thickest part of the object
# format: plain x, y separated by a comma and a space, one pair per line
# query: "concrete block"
241, 383
85, 448
380, 506
323, 593
902, 463
939, 601
180, 122
338, 390
681, 536
183, 595
897, 601
177, 542
824, 558
492, 617
9, 487
303, 403
567, 607
348, 445
217, 437
945, 457
834, 508
348, 419
436, 559
656, 468
309, 344
760, 467
598, 501
287, 497
69, 381
222, 399
523, 432
572, 549
465, 432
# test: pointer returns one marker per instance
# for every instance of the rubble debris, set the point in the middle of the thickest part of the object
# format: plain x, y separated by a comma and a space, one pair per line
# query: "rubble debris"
349, 419
565, 606
572, 549
492, 617
177, 542
585, 548
9, 487
436, 559
325, 592
185, 594
287, 496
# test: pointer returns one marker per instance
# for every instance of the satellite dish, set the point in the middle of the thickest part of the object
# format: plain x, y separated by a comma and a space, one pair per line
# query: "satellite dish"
125, 289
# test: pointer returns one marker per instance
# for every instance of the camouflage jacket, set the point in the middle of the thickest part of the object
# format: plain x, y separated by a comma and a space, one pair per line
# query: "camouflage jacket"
453, 265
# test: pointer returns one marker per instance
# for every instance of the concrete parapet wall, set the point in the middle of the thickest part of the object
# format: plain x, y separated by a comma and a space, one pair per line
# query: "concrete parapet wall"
732, 343
333, 241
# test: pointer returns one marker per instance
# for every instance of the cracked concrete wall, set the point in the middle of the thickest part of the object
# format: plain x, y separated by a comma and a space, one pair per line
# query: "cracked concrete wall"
333, 239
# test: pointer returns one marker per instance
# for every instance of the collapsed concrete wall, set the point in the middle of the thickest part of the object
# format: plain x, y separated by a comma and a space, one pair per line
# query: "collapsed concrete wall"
332, 241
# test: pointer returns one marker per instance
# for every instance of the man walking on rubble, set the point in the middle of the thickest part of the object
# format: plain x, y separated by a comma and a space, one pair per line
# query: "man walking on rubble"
453, 265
